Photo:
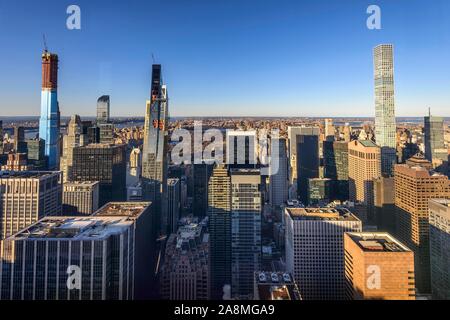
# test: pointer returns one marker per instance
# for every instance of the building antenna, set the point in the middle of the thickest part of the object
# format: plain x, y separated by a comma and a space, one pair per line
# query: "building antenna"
429, 112
153, 58
45, 42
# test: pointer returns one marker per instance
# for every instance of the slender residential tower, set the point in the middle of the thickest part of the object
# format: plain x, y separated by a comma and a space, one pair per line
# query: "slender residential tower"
154, 164
385, 127
49, 121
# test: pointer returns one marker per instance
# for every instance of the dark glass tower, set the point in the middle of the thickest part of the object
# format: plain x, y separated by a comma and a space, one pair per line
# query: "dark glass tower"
154, 161
307, 160
104, 163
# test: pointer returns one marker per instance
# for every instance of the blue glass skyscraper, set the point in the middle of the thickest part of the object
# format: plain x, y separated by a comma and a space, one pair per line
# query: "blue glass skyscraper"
50, 116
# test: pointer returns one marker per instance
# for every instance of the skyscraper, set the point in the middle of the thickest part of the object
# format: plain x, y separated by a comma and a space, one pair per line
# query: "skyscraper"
26, 197
414, 187
363, 167
246, 206
219, 213
241, 149
185, 272
279, 179
173, 204
154, 161
103, 109
435, 150
315, 250
335, 157
385, 124
80, 198
109, 248
72, 139
201, 173
440, 248
307, 160
49, 122
104, 163
378, 266
292, 145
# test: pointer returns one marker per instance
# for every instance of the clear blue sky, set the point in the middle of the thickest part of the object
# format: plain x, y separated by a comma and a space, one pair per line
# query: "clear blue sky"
226, 57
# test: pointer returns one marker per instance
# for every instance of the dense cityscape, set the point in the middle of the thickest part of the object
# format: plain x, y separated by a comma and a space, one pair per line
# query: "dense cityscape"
349, 200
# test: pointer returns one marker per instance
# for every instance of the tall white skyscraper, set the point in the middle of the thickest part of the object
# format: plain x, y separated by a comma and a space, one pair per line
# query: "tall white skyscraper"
385, 128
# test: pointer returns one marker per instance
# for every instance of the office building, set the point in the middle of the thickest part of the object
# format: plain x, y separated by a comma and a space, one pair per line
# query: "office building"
241, 149
154, 157
134, 193
219, 213
435, 150
174, 204
134, 167
103, 109
16, 162
19, 139
330, 131
80, 198
315, 250
26, 197
384, 202
49, 121
278, 174
35, 150
378, 267
414, 187
275, 286
320, 191
246, 210
364, 165
440, 248
73, 139
201, 173
335, 157
107, 249
185, 273
385, 124
307, 160
103, 163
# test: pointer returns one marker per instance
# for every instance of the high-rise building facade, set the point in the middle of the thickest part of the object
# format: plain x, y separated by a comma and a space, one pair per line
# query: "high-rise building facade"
440, 248
104, 163
378, 267
414, 187
435, 150
154, 158
73, 139
241, 149
278, 175
103, 109
80, 197
315, 250
185, 273
385, 123
335, 157
384, 202
201, 173
49, 121
26, 197
364, 165
219, 213
106, 250
246, 211
308, 161
173, 204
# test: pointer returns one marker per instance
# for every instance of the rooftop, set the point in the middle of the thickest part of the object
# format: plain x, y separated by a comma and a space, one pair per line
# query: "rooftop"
26, 174
276, 286
128, 209
74, 228
321, 214
367, 143
377, 242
